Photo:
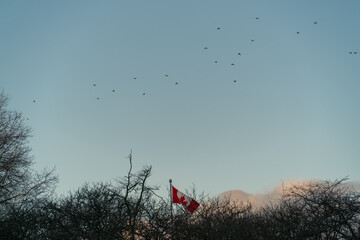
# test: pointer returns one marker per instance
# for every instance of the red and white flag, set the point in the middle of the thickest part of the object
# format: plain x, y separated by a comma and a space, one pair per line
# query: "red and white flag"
186, 201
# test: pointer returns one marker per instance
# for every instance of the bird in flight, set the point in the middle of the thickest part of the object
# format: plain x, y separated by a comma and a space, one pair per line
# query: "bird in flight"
297, 32
350, 52
205, 48
143, 94
166, 75
113, 90
97, 98
134, 78
315, 22
177, 84
94, 85
355, 52
232, 64
215, 62
257, 18
218, 28
234, 81
252, 40
34, 101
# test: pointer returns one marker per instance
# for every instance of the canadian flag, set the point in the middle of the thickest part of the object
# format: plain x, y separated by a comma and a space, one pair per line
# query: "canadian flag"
186, 201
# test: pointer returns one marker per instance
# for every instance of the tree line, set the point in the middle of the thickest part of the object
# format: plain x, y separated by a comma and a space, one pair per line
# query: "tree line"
130, 208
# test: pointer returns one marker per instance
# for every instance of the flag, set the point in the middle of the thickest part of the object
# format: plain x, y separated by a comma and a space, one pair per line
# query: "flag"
186, 201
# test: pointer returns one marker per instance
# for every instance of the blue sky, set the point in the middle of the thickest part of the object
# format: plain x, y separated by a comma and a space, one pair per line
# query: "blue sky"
293, 112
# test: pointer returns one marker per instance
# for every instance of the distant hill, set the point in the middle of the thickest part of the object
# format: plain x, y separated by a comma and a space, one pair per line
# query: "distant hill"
240, 196
260, 199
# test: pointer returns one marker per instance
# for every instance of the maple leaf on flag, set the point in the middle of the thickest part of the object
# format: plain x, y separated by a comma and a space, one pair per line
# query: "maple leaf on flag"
178, 197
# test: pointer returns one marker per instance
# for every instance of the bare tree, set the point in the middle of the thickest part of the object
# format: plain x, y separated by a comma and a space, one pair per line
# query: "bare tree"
17, 179
317, 210
136, 193
127, 210
93, 212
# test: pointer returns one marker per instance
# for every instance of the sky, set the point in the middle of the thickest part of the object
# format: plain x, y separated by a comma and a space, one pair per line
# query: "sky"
219, 95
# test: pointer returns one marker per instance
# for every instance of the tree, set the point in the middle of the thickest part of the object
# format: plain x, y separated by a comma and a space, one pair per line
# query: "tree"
317, 210
103, 211
136, 193
17, 179
218, 219
21, 187
92, 212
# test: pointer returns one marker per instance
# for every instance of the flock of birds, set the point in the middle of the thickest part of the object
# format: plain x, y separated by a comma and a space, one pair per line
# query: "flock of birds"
134, 78
206, 48
177, 83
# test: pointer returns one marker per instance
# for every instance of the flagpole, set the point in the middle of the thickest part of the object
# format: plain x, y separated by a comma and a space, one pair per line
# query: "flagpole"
171, 209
